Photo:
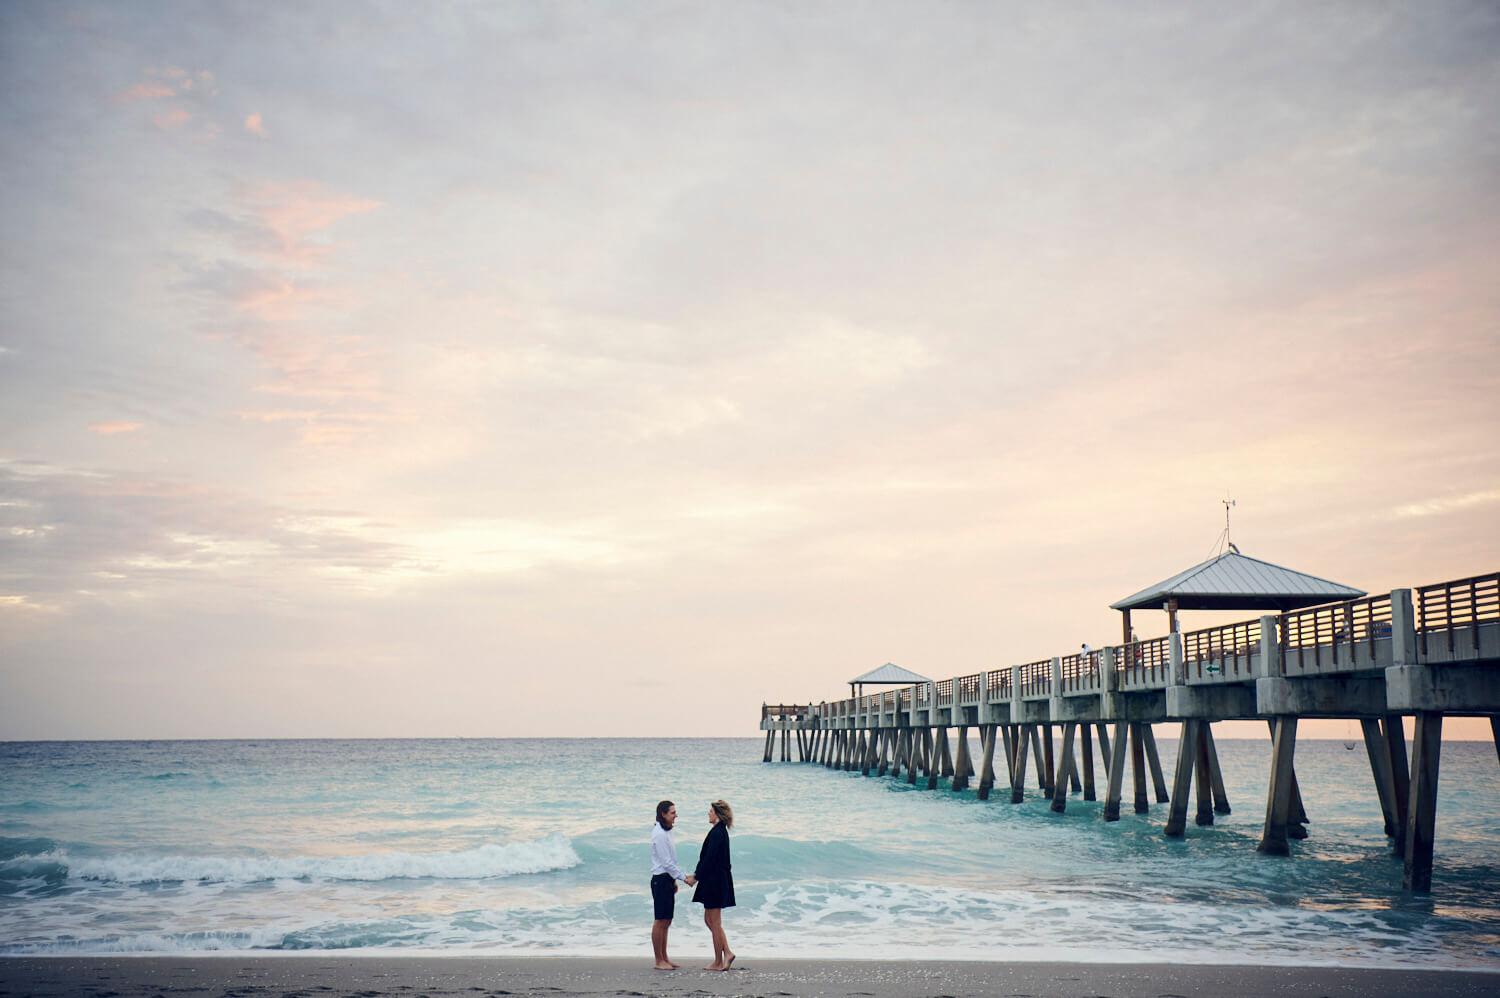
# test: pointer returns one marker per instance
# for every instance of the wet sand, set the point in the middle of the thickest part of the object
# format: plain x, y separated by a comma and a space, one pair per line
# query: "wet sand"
476, 977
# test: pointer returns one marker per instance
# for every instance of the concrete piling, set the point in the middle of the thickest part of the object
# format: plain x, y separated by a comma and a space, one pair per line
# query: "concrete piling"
1426, 748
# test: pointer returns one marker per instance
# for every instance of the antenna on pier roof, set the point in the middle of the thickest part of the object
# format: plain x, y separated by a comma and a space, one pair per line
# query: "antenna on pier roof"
1227, 542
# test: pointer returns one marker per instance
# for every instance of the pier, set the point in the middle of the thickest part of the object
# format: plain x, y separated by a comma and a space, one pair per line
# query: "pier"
1424, 653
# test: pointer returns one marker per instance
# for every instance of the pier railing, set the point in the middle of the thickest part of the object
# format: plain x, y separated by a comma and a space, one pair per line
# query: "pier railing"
1348, 636
1327, 637
1036, 679
1080, 672
784, 710
1453, 606
1224, 652
1143, 663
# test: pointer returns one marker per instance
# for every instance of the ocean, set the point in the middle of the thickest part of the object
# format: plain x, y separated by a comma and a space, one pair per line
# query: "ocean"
540, 847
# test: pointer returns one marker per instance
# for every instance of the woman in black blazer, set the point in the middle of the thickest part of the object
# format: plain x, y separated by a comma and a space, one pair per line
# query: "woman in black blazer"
715, 883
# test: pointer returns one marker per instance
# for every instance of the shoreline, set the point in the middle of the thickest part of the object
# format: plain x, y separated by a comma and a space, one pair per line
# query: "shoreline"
130, 976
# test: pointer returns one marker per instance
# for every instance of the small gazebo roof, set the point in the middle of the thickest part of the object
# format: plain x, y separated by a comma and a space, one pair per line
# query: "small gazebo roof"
1232, 581
890, 673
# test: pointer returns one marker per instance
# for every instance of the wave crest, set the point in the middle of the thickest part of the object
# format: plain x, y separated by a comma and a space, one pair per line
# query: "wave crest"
555, 852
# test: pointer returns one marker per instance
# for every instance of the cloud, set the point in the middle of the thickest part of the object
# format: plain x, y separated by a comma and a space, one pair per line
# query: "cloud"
109, 429
168, 120
146, 91
299, 213
1447, 504
68, 535
253, 123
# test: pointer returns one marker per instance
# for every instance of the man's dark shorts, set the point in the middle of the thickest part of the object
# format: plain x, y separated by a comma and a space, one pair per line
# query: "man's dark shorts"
664, 896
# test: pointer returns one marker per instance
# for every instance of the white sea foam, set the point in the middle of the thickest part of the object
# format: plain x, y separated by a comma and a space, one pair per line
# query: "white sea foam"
555, 852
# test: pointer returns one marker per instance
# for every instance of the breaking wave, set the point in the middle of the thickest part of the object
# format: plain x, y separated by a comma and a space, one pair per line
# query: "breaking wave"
555, 852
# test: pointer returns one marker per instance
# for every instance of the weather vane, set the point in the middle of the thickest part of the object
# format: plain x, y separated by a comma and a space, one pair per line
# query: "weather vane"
1227, 504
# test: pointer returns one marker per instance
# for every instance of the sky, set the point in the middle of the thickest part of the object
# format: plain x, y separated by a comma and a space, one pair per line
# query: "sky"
517, 369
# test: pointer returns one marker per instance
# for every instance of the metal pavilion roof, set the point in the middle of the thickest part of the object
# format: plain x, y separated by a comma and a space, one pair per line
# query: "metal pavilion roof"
890, 673
1232, 581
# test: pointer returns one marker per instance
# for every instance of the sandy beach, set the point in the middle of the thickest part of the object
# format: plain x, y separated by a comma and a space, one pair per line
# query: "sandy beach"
245, 977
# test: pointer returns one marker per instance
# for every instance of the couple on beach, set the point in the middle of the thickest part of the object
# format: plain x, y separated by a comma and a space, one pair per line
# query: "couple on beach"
715, 885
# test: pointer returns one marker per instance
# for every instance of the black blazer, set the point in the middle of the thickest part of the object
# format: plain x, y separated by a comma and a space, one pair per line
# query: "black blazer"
714, 881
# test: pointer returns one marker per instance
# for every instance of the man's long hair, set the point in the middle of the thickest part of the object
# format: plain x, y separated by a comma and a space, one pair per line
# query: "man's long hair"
661, 814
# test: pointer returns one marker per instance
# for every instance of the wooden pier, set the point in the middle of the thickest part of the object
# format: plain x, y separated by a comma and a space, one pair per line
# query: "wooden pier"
1425, 653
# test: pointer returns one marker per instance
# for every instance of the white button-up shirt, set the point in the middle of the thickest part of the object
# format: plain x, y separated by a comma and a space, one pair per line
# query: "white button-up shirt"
664, 853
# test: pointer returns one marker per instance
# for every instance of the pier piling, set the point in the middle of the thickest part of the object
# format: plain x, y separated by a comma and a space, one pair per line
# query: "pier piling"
1116, 774
1426, 747
1273, 840
1060, 794
987, 769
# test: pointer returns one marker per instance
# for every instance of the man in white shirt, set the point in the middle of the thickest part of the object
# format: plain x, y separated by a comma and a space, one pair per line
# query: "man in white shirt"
664, 876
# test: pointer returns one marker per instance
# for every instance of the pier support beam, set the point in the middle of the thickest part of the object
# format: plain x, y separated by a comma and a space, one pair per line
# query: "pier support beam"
1008, 734
1187, 757
1273, 840
1116, 774
1138, 767
1380, 769
1426, 746
1104, 753
935, 752
1148, 735
987, 768
1205, 815
1088, 761
962, 768
1043, 776
1060, 793
1395, 742
1215, 775
1050, 780
1024, 737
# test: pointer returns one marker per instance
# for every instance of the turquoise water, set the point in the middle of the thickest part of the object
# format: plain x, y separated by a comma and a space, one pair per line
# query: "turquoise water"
540, 847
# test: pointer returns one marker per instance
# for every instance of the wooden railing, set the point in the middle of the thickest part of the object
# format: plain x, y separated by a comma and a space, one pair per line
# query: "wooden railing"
784, 710
1221, 650
1036, 678
1143, 661
1451, 606
1080, 672
1327, 635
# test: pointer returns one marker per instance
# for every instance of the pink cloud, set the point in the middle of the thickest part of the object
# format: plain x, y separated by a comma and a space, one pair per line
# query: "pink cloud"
297, 211
109, 429
253, 123
146, 91
279, 300
170, 119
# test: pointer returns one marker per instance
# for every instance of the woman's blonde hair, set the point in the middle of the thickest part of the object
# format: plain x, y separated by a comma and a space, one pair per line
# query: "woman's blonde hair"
724, 811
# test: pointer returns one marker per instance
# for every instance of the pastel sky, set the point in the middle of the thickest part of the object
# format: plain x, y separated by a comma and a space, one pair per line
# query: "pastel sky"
511, 369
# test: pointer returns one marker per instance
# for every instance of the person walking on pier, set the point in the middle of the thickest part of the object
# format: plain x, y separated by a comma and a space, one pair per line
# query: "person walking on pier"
664, 877
715, 883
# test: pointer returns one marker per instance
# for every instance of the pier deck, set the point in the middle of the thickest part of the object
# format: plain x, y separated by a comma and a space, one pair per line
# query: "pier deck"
1425, 653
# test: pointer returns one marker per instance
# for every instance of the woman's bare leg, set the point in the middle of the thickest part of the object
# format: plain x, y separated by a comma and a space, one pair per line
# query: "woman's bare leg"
714, 919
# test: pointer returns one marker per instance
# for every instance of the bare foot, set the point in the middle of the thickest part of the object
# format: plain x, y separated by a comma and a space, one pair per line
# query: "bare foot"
674, 965
713, 966
665, 966
730, 962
